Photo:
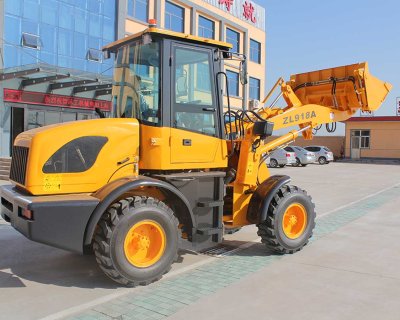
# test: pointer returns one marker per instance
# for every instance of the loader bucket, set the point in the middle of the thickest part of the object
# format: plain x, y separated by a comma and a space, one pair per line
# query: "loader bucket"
344, 88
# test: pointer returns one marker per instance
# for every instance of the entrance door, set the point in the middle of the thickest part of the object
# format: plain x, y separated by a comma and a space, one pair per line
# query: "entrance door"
355, 144
195, 130
17, 122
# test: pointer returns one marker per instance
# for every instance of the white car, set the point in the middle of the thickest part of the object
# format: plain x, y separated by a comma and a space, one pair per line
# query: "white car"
323, 154
303, 156
280, 158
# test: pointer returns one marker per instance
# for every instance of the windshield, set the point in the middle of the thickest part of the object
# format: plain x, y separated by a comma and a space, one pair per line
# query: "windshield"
136, 90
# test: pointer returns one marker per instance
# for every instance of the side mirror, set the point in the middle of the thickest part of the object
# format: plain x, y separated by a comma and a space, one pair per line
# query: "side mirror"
243, 72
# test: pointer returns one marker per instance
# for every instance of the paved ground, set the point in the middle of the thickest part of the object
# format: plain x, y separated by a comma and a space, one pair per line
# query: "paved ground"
350, 271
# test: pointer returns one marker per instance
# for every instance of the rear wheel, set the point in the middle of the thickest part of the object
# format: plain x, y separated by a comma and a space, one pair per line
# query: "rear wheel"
136, 241
322, 160
273, 163
290, 221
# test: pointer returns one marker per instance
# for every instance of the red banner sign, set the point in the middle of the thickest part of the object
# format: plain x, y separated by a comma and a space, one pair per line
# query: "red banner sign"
54, 100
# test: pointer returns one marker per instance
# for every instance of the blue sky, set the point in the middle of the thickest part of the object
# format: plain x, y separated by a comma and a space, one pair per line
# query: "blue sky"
316, 34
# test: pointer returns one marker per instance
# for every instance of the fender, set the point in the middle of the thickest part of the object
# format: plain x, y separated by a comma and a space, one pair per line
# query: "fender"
115, 189
262, 197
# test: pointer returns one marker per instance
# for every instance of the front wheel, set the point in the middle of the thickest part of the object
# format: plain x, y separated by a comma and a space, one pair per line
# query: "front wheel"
136, 241
322, 160
290, 221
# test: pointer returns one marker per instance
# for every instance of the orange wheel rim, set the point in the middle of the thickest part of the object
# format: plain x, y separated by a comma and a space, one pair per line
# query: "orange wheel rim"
145, 243
294, 221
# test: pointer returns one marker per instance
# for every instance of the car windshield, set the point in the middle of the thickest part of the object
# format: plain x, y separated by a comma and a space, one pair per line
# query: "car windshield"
300, 149
136, 87
326, 149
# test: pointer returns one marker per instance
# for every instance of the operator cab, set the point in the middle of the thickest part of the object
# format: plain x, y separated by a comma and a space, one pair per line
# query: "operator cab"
167, 79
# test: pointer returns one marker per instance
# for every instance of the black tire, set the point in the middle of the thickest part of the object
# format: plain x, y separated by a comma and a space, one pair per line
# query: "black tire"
298, 163
271, 230
304, 164
322, 160
282, 165
273, 163
108, 244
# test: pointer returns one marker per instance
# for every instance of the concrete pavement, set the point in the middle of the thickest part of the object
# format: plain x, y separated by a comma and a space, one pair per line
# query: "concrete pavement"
350, 266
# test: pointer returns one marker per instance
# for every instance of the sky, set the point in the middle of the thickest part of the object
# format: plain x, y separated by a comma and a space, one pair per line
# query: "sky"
309, 35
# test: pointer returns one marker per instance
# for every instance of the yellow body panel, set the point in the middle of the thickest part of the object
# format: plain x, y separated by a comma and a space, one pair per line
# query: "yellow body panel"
163, 149
122, 144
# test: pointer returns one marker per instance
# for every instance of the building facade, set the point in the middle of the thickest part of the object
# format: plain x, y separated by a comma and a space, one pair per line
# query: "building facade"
52, 67
373, 138
239, 22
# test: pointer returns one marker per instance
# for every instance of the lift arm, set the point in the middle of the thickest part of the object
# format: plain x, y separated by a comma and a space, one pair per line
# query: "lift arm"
312, 99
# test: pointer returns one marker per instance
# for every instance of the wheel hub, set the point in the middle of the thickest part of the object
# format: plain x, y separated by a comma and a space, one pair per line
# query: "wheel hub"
144, 243
294, 221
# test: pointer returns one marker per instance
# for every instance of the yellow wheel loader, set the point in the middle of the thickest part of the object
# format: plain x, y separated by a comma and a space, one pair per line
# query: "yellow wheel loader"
175, 166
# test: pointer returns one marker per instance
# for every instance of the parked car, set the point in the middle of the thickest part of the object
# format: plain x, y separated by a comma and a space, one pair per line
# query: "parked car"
323, 154
281, 158
303, 156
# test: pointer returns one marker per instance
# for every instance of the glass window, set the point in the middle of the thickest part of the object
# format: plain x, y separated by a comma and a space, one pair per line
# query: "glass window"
52, 117
94, 55
94, 25
233, 38
80, 20
255, 51
109, 8
12, 56
49, 58
203, 81
254, 86
35, 119
65, 42
174, 17
13, 7
138, 9
31, 10
68, 116
360, 139
80, 45
137, 82
31, 41
49, 38
48, 8
12, 32
94, 6
233, 83
192, 103
206, 28
108, 29
65, 17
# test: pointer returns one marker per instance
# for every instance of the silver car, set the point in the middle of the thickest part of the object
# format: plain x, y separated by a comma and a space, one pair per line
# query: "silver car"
281, 158
303, 156
323, 154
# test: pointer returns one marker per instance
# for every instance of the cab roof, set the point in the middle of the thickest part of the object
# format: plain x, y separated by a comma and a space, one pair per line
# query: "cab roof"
112, 47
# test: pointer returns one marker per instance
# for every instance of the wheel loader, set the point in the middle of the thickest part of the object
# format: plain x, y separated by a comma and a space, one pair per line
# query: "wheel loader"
175, 166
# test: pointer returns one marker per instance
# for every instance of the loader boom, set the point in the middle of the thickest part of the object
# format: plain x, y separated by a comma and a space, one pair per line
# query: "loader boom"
312, 99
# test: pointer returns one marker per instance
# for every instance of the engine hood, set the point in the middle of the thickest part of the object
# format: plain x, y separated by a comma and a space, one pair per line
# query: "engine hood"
76, 157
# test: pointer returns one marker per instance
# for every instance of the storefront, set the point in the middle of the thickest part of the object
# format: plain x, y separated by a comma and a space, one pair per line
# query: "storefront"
37, 95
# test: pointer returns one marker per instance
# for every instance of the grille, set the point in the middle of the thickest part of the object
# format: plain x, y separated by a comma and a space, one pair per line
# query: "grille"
18, 164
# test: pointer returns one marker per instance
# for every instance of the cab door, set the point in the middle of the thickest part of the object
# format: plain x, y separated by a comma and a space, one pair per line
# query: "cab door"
195, 129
